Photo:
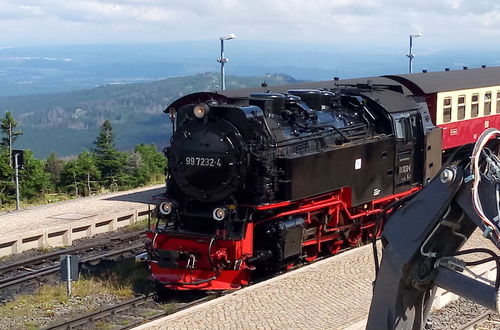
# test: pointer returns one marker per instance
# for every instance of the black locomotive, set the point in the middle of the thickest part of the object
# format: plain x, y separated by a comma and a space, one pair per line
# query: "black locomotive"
270, 179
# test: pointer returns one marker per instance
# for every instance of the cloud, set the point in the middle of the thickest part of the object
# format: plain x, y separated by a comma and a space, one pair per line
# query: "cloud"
377, 23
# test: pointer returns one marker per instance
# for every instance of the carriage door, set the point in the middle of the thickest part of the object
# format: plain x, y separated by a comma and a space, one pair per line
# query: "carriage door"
406, 133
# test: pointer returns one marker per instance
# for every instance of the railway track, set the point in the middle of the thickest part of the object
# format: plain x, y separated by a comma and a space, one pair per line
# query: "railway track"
127, 310
38, 267
486, 320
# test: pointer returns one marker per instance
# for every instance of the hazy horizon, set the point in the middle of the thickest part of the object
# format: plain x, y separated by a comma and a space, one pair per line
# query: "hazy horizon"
61, 68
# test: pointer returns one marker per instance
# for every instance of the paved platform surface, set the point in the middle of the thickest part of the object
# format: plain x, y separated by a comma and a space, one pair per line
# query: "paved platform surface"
330, 294
55, 214
58, 223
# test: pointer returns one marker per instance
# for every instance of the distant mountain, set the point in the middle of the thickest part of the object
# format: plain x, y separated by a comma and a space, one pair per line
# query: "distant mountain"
68, 123
133, 97
64, 68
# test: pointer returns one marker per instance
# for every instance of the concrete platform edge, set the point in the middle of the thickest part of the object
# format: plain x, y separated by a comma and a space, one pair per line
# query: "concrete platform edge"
63, 235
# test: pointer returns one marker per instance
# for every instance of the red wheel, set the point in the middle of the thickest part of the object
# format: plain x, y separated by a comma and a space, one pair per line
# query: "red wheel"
354, 238
311, 253
335, 246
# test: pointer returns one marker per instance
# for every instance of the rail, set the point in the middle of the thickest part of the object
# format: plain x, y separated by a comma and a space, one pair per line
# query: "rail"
36, 274
122, 309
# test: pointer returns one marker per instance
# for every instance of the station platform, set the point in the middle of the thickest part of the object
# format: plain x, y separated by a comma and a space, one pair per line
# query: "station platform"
334, 293
59, 224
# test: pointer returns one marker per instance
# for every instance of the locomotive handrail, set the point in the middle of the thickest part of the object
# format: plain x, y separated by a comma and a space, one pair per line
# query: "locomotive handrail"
301, 210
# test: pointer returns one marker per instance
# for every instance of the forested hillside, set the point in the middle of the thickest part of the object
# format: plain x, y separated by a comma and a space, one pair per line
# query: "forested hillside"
67, 122
101, 169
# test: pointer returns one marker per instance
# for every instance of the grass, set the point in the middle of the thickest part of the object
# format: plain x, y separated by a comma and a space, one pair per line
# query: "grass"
41, 200
124, 273
102, 325
48, 301
89, 287
109, 282
30, 326
139, 225
170, 308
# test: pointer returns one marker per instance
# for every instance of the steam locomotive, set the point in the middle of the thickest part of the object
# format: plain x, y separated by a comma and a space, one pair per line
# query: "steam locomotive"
260, 180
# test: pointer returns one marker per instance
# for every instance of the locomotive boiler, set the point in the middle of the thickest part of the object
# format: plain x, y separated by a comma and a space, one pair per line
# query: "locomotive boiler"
258, 182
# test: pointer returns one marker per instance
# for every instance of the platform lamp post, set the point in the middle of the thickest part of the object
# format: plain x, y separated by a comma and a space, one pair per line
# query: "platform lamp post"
411, 55
18, 156
222, 60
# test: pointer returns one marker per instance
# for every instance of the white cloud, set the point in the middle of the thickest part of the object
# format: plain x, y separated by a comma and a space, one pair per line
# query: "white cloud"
372, 22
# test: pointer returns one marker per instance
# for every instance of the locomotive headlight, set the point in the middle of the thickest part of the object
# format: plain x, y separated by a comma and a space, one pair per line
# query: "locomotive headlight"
166, 208
219, 214
201, 110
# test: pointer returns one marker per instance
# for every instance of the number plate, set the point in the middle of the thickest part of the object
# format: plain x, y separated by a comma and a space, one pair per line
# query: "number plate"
203, 161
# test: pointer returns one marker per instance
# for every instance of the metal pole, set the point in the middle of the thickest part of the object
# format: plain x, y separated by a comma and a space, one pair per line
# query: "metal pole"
222, 77
10, 144
68, 279
411, 55
17, 181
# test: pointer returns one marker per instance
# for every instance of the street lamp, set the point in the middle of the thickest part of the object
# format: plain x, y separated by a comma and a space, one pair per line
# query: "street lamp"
410, 55
222, 60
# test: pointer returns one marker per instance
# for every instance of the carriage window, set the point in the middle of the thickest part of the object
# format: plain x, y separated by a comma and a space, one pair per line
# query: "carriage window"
474, 110
446, 109
461, 107
487, 103
498, 101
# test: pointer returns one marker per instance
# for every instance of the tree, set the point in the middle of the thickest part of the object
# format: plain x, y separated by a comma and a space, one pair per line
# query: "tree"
80, 175
88, 171
153, 163
69, 178
34, 181
135, 174
109, 161
54, 166
7, 186
8, 126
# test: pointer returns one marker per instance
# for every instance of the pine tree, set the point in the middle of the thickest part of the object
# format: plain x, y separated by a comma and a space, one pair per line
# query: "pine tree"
54, 166
8, 126
7, 187
69, 178
153, 163
109, 161
87, 171
35, 182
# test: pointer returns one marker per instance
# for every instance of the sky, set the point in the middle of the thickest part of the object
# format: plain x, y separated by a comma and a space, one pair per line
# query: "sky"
361, 24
